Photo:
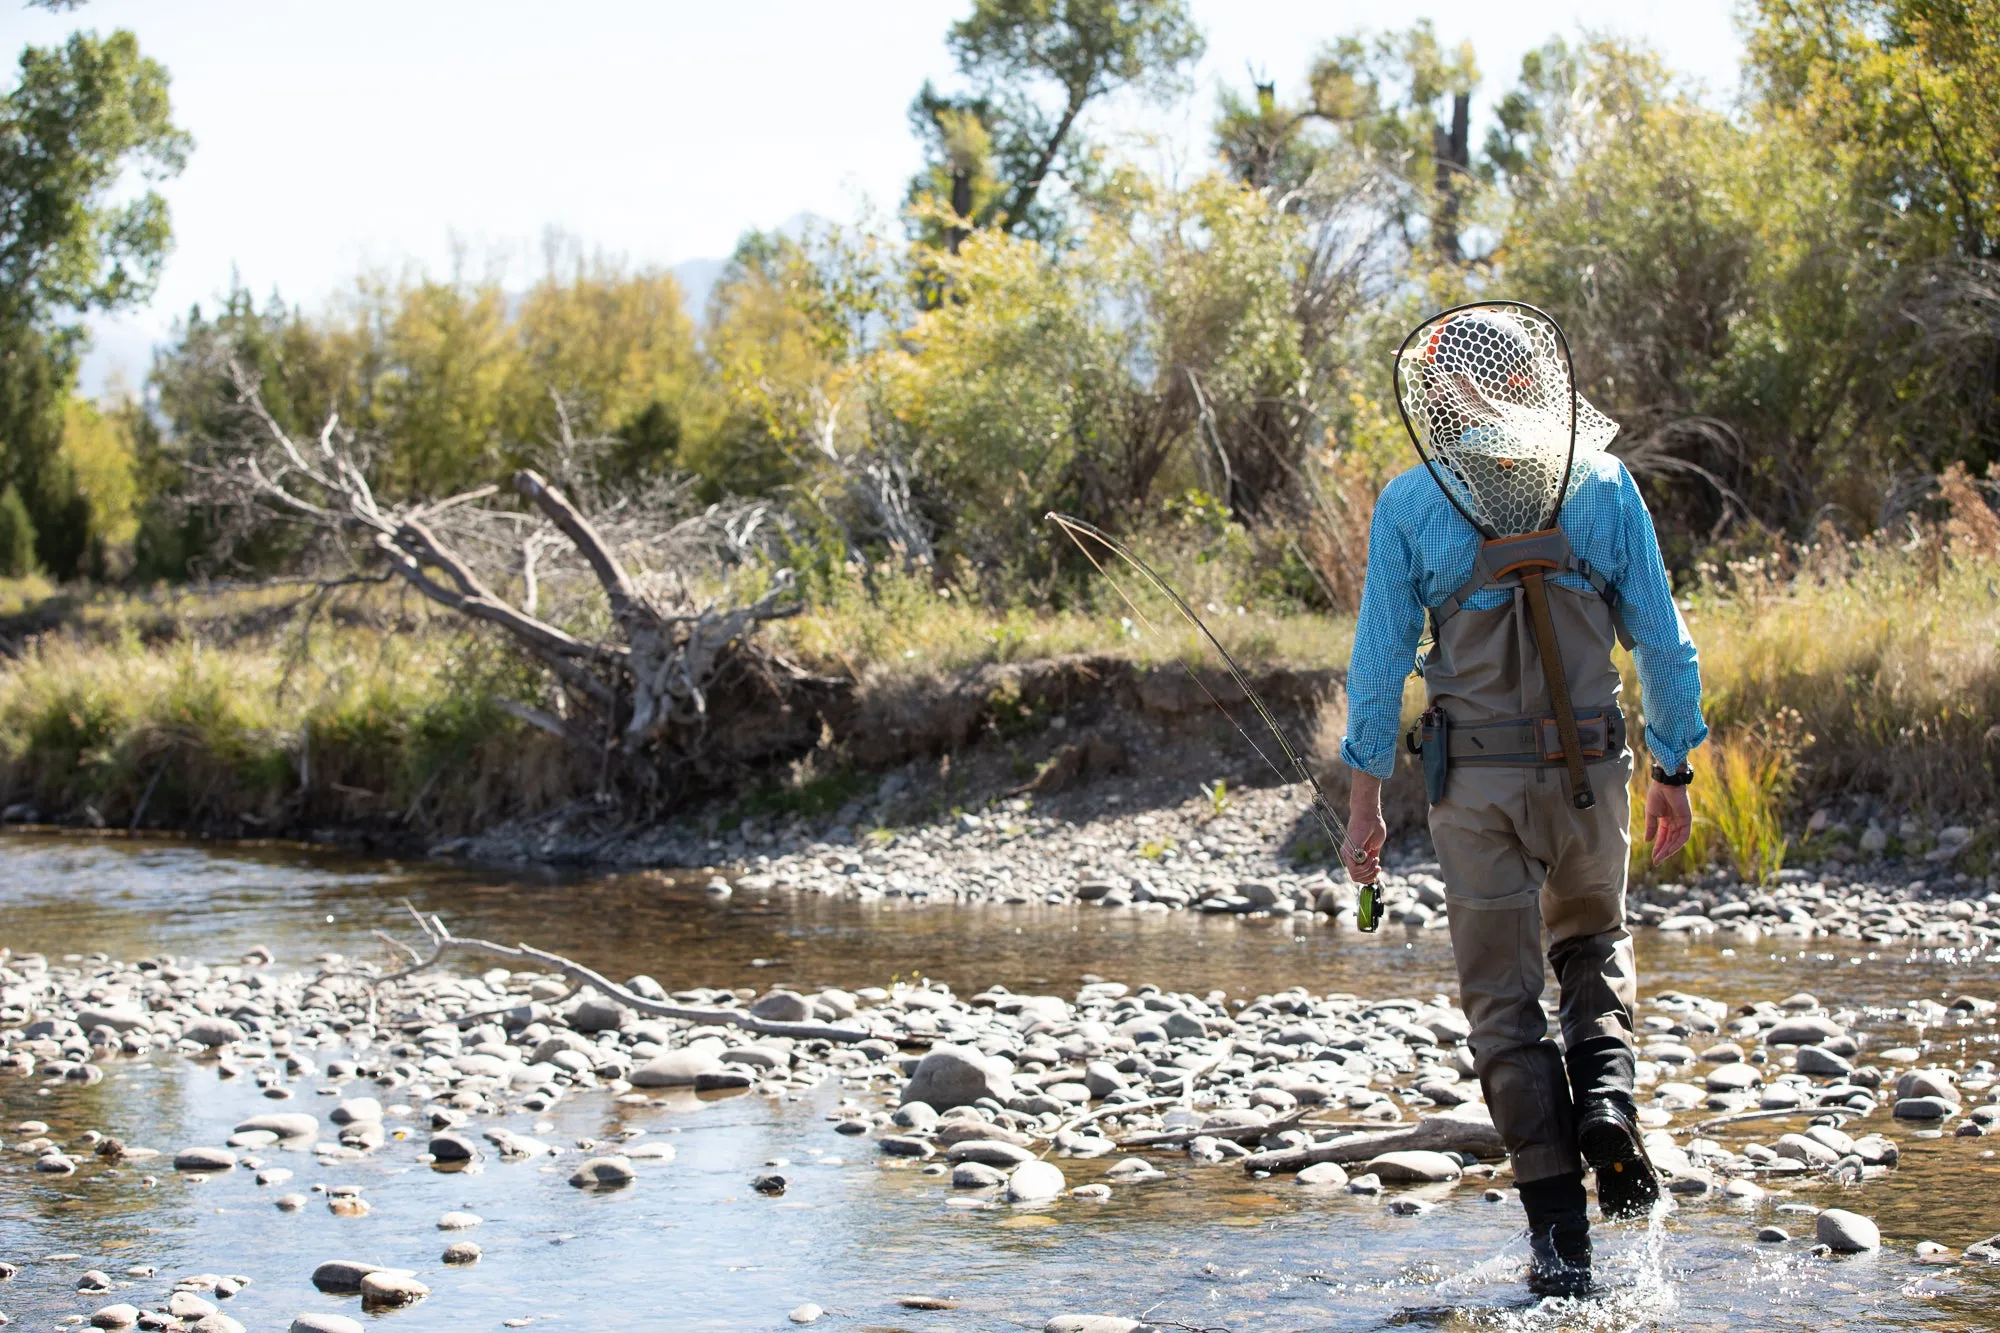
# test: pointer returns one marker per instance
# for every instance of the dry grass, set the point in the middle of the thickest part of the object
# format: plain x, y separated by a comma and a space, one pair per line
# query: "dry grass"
1871, 669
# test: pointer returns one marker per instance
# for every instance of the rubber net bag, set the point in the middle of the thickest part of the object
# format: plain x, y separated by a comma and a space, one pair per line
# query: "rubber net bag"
1488, 394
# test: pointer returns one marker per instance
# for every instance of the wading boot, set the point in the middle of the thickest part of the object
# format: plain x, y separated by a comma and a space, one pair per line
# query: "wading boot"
1558, 1237
1560, 1265
1607, 1134
1607, 1127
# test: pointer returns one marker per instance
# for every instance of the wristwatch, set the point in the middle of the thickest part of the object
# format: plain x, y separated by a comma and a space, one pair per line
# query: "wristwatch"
1666, 779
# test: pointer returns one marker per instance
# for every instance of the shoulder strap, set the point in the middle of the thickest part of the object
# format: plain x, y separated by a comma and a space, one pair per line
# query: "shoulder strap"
1488, 571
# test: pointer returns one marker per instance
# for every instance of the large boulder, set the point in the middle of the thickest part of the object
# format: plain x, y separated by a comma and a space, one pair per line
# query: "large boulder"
957, 1076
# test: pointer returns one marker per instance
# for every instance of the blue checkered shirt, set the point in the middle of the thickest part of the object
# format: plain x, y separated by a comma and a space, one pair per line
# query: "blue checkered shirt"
1421, 549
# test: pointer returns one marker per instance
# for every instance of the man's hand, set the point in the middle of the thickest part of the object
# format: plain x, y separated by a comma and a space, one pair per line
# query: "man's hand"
1366, 833
1669, 819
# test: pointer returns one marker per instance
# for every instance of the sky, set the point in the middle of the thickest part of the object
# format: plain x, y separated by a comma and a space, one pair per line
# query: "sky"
333, 139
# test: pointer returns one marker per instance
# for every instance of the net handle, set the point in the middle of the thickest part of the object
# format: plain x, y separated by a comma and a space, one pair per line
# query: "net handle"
1396, 388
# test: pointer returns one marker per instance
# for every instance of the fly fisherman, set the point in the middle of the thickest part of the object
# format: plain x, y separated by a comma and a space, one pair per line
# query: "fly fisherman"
1522, 541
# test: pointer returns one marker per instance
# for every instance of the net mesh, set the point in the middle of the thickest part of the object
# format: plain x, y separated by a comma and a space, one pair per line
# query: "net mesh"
1488, 395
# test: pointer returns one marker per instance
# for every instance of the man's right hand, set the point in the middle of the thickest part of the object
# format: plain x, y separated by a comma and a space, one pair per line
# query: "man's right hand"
1366, 831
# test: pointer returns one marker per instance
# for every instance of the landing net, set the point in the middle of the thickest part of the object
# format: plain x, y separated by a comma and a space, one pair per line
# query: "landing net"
1487, 394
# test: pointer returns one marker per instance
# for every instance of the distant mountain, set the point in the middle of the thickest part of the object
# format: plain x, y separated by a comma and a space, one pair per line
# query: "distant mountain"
697, 278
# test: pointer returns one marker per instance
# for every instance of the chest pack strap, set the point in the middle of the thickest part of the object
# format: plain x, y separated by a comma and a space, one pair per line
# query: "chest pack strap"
1550, 545
1529, 559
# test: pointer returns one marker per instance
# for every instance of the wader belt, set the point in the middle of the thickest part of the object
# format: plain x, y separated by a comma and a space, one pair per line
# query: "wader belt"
1517, 741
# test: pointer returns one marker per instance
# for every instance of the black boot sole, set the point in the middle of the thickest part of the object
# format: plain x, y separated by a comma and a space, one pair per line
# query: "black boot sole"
1627, 1185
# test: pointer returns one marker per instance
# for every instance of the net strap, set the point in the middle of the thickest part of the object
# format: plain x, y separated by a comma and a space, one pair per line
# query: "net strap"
1531, 567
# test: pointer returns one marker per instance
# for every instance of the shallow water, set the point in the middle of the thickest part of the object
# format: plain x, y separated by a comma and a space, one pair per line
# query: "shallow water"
690, 1246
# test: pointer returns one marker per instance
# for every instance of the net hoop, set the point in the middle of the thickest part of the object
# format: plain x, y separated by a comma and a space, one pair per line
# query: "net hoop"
1432, 330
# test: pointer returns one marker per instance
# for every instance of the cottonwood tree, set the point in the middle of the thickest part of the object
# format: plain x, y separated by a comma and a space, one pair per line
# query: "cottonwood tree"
1033, 67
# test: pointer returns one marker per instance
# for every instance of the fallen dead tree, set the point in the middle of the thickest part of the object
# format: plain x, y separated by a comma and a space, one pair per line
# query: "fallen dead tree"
674, 681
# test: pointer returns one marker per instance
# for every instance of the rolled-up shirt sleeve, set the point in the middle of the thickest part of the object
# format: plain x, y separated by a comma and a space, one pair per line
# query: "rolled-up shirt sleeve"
1386, 634
1669, 668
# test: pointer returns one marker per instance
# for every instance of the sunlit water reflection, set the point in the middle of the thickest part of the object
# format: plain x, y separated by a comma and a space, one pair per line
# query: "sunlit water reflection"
692, 1247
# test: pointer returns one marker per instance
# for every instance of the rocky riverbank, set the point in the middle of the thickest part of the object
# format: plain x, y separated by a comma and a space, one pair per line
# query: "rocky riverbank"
1119, 845
1779, 1108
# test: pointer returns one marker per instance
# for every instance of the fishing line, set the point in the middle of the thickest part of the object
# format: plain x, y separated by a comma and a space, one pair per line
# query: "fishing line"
1368, 907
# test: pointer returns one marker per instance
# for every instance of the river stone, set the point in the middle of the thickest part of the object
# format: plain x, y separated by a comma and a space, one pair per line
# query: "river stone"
356, 1110
204, 1159
1927, 1083
1773, 1235
290, 1203
1807, 1030
1733, 1077
1399, 1168
1035, 1180
286, 1125
213, 1032
342, 1277
313, 1321
391, 1291
951, 1076
597, 1015
459, 1221
991, 1152
215, 1323
783, 1006
976, 1176
1822, 1063
652, 1150
807, 1313
54, 1164
452, 1148
1093, 1323
1323, 1173
115, 1316
603, 1173
679, 1068
461, 1252
1810, 1151
119, 1018
1924, 1108
1847, 1232
904, 1145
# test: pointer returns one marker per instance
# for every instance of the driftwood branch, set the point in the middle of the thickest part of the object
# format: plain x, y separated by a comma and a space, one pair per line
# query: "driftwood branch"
443, 941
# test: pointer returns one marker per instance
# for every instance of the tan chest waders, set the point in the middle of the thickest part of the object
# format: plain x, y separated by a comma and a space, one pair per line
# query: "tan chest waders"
1528, 682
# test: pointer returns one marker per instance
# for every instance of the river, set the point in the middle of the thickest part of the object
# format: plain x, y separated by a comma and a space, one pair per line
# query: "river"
694, 1248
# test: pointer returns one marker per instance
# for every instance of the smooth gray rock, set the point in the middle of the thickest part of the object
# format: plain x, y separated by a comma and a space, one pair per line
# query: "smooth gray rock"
115, 1316
783, 1006
1323, 1173
976, 1176
391, 1291
991, 1152
1414, 1167
285, 1124
1925, 1108
1094, 1323
1035, 1180
603, 1173
1847, 1233
215, 1323
452, 1148
1822, 1063
342, 1277
679, 1068
597, 1015
204, 1159
356, 1110
950, 1076
1808, 1030
313, 1321
213, 1031
461, 1252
